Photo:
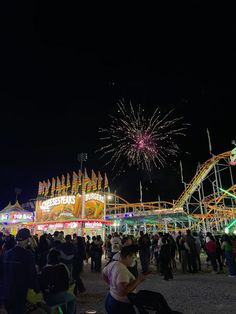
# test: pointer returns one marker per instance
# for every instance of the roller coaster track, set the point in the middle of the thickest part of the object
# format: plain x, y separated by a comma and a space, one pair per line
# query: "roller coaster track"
213, 203
150, 205
199, 177
153, 207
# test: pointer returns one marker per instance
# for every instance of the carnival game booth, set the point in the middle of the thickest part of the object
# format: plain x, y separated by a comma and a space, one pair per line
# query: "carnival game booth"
71, 207
14, 217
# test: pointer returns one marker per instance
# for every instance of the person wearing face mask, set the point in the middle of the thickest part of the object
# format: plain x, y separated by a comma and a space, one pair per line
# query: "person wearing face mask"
19, 274
133, 268
121, 282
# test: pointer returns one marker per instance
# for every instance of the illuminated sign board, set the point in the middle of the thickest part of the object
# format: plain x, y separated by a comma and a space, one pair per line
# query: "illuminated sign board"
94, 196
233, 157
4, 217
67, 199
15, 217
59, 226
70, 207
94, 206
93, 225
71, 225
23, 216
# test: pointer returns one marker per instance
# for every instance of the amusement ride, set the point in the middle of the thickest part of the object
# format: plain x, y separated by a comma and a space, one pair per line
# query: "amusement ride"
208, 203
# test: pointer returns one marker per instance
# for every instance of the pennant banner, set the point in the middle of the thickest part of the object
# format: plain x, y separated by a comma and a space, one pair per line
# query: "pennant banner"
89, 186
53, 187
44, 188
68, 180
94, 181
58, 187
105, 181
86, 177
40, 189
63, 185
79, 179
74, 183
47, 187
100, 178
83, 185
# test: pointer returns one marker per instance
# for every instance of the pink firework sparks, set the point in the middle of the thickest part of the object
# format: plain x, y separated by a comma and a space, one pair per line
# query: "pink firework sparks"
136, 140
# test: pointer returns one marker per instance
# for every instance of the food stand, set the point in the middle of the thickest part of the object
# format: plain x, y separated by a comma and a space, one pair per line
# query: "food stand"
14, 217
71, 207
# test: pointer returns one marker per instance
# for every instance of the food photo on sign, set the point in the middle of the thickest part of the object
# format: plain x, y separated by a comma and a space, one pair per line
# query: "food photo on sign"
94, 209
59, 208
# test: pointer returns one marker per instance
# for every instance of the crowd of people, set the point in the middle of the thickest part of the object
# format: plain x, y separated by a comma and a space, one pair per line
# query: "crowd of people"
52, 264
49, 264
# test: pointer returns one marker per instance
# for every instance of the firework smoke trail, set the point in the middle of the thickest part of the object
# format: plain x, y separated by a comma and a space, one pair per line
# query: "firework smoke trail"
140, 141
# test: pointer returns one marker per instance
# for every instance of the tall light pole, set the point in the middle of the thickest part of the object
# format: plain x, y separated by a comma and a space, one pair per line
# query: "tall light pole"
82, 157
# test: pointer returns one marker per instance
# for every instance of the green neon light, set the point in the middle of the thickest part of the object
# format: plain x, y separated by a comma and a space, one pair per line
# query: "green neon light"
232, 223
230, 194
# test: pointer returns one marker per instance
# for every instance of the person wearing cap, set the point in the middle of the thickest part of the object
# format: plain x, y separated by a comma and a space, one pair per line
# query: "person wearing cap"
19, 274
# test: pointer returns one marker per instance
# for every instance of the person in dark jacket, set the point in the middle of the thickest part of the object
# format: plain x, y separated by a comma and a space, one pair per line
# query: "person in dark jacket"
6, 246
78, 263
43, 249
192, 253
178, 244
92, 252
144, 244
173, 248
9, 243
219, 254
19, 274
67, 251
165, 259
54, 282
98, 253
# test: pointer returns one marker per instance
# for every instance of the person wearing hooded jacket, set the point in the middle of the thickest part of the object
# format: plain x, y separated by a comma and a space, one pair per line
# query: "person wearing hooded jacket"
19, 273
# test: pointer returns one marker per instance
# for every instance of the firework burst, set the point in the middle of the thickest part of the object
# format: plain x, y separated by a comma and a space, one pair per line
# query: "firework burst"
134, 139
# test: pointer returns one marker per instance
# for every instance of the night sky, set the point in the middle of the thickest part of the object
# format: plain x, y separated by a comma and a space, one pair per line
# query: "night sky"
61, 78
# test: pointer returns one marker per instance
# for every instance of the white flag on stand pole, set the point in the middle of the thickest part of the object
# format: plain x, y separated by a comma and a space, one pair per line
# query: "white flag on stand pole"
209, 142
181, 171
141, 191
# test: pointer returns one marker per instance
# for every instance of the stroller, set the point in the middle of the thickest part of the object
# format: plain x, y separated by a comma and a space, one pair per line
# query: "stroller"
146, 302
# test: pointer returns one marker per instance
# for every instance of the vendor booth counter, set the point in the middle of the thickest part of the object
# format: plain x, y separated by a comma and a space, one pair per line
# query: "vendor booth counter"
82, 227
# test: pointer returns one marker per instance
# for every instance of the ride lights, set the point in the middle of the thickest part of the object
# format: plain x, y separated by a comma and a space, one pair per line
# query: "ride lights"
109, 197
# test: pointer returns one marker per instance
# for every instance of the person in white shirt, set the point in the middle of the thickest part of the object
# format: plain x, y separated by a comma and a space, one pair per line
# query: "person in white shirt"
121, 282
